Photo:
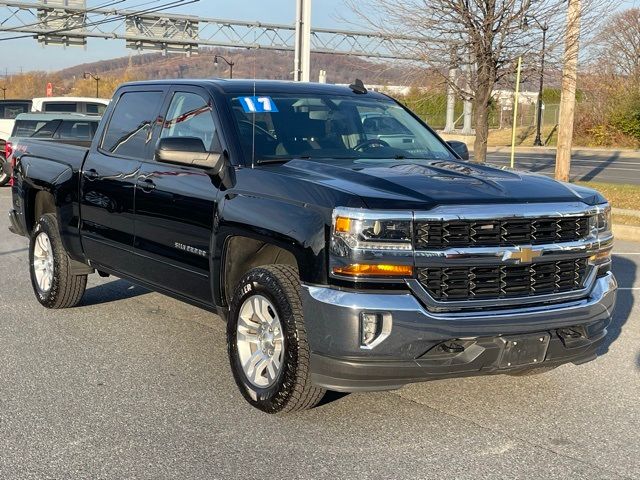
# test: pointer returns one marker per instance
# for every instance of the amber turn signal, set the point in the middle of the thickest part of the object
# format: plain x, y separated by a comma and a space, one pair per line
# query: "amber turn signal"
343, 224
603, 255
379, 270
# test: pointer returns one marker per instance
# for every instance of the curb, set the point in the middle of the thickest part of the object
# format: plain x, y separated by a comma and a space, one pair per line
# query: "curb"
626, 232
582, 152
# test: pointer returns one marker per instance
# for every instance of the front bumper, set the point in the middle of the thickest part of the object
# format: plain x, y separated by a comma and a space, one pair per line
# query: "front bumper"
411, 351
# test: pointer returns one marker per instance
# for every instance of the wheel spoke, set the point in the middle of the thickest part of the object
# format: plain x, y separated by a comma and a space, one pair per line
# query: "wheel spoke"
250, 366
264, 312
246, 335
271, 370
260, 341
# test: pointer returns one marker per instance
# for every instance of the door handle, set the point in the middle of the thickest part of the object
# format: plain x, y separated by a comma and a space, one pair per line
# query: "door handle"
146, 184
91, 173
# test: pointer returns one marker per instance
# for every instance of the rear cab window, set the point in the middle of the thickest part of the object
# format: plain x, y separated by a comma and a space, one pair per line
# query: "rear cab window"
67, 107
35, 128
10, 110
130, 129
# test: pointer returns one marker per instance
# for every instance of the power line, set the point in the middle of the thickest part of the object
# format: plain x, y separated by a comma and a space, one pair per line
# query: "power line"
117, 18
144, 30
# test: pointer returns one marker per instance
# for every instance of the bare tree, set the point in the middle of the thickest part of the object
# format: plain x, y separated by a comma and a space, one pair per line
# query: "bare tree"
488, 36
620, 44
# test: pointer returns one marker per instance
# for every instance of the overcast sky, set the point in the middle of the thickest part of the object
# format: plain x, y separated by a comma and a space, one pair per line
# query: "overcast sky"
26, 53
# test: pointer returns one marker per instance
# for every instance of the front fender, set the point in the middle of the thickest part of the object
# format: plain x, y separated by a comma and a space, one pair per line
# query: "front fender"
298, 228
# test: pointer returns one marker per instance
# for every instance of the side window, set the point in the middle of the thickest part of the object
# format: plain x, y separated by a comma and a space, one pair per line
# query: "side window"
131, 124
46, 130
95, 108
190, 115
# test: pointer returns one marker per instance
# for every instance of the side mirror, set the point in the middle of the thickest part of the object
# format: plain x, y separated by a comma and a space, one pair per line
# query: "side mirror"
188, 151
460, 148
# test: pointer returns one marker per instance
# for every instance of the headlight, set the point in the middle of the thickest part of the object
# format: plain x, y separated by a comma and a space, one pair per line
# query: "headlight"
359, 230
374, 244
602, 220
600, 224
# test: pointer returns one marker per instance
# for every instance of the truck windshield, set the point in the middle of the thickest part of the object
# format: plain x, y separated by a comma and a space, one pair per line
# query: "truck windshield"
281, 127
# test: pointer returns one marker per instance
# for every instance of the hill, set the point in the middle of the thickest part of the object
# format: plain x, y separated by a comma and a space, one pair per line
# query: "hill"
268, 64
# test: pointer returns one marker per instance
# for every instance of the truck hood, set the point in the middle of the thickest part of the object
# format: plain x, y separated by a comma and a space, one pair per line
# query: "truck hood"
390, 184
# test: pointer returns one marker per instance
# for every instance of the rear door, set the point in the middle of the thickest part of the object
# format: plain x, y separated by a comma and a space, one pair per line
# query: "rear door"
175, 204
109, 176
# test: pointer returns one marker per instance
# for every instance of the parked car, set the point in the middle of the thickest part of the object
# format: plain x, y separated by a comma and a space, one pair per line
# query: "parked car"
71, 129
86, 105
338, 261
9, 110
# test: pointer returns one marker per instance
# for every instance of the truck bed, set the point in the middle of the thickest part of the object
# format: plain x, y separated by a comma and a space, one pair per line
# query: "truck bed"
54, 150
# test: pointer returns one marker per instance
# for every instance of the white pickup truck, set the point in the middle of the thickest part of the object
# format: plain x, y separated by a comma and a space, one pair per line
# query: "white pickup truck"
10, 109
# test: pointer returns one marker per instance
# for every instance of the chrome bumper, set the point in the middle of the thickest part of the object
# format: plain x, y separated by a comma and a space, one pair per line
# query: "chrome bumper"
332, 319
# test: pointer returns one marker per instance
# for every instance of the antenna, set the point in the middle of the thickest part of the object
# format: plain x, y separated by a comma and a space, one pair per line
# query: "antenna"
358, 87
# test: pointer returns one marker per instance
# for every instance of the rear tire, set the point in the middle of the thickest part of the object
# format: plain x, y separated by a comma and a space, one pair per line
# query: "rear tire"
53, 282
266, 316
4, 175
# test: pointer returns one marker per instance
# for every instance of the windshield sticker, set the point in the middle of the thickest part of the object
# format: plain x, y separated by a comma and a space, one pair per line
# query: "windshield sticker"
258, 104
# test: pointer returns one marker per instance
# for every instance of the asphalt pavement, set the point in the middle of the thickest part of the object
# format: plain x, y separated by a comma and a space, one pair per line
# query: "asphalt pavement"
597, 166
132, 384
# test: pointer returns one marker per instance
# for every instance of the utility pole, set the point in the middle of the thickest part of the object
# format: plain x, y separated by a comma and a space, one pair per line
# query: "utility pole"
516, 102
467, 107
568, 97
302, 58
4, 92
451, 93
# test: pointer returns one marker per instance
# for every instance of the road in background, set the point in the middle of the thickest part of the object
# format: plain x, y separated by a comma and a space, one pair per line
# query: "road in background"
133, 384
598, 166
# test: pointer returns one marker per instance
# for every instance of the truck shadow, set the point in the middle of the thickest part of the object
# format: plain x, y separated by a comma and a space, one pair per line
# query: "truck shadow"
112, 292
626, 272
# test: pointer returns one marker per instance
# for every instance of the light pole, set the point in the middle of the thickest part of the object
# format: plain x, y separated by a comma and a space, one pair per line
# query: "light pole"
97, 79
544, 27
231, 64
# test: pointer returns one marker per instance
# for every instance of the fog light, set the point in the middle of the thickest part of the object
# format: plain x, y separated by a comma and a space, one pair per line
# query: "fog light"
375, 327
370, 327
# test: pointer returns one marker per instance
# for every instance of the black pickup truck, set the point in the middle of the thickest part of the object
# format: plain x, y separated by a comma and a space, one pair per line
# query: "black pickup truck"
339, 260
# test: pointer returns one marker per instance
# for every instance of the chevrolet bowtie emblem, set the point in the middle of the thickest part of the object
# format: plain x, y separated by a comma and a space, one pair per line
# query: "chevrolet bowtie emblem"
522, 255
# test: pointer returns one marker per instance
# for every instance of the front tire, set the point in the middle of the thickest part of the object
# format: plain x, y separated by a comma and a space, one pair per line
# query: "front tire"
267, 341
53, 282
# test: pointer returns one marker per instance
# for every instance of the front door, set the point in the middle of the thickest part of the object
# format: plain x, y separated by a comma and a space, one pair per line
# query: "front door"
175, 204
109, 176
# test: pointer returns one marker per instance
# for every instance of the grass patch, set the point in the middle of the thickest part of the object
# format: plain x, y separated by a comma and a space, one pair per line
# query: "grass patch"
619, 195
626, 220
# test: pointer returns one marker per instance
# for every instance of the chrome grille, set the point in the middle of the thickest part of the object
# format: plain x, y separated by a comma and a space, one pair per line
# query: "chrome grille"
458, 283
440, 234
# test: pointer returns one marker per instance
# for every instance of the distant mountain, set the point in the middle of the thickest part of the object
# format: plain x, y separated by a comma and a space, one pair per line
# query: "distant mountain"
267, 64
